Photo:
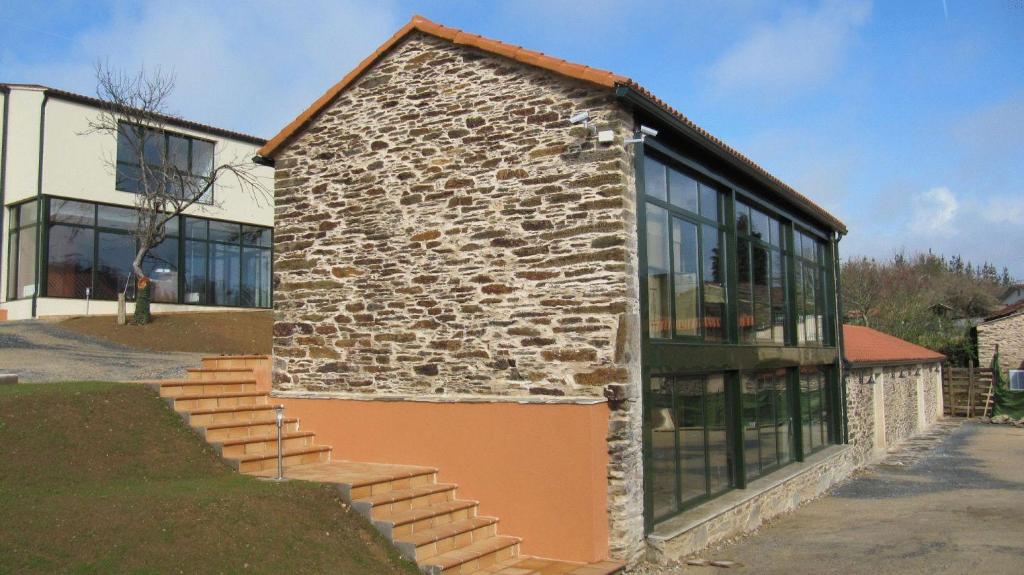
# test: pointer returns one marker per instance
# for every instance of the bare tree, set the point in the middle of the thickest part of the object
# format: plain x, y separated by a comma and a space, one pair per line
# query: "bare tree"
863, 288
167, 182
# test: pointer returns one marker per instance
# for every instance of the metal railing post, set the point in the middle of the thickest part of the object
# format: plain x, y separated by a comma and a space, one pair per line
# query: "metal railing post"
280, 449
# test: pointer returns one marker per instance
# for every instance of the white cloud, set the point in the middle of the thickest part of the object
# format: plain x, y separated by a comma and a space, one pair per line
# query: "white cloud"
934, 211
801, 50
249, 66
1005, 210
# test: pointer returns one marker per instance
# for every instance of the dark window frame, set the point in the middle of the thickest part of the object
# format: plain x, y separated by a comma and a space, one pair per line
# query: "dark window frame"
206, 199
13, 255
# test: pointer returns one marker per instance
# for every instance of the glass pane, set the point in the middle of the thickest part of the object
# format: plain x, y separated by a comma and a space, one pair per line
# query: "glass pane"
762, 302
27, 214
778, 296
783, 418
801, 332
658, 297
26, 284
128, 177
195, 272
766, 421
751, 434
709, 202
810, 299
775, 229
689, 410
662, 466
225, 232
255, 277
177, 153
684, 266
256, 236
719, 454
655, 179
742, 218
682, 190
70, 261
759, 224
127, 143
116, 253
153, 148
117, 218
825, 421
713, 260
809, 247
224, 274
71, 212
12, 267
195, 228
202, 157
161, 265
745, 291
808, 389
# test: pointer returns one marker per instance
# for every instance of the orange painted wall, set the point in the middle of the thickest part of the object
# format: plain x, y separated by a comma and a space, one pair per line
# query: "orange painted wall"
540, 468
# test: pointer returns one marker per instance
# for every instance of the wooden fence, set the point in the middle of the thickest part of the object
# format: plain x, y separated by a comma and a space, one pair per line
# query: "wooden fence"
967, 391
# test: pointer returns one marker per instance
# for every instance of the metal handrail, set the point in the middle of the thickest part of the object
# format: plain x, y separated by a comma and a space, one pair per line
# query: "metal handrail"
280, 449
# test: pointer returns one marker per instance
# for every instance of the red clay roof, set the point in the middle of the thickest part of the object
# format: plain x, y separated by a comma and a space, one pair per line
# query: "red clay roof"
596, 76
865, 345
1006, 311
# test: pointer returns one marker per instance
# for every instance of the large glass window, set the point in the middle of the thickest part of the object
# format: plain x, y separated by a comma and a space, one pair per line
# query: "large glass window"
70, 261
685, 255
21, 251
168, 160
767, 425
762, 279
689, 443
814, 414
809, 258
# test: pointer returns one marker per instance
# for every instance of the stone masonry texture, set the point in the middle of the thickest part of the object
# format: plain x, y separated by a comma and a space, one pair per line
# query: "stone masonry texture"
443, 230
1008, 334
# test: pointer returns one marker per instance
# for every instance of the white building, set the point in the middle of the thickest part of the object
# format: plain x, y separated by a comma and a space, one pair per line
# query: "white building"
67, 217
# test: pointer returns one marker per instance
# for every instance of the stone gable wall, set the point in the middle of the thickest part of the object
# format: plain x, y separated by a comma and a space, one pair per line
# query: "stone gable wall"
443, 229
1008, 334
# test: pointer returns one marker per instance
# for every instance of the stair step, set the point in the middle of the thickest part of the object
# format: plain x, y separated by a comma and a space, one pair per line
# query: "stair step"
402, 523
228, 415
192, 403
268, 461
474, 557
264, 444
428, 543
383, 504
538, 566
227, 431
177, 388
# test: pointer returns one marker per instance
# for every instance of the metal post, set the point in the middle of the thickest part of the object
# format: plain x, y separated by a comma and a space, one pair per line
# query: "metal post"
280, 450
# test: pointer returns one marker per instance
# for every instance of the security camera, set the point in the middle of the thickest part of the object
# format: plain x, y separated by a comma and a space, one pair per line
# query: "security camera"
580, 118
641, 135
647, 130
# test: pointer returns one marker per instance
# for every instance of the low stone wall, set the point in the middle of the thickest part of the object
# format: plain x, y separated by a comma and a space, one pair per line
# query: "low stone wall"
885, 405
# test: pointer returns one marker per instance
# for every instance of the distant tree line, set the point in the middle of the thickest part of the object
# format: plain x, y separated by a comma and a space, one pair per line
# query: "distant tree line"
923, 298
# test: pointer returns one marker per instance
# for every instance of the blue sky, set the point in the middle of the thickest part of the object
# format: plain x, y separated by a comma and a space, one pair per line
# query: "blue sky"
905, 118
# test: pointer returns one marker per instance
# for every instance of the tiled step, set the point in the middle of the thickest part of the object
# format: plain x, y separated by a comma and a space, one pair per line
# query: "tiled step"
537, 566
423, 545
218, 373
473, 557
222, 432
264, 444
377, 506
175, 388
402, 523
268, 461
221, 400
229, 415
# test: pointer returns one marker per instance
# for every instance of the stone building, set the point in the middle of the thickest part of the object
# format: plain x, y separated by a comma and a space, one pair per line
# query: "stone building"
600, 320
1005, 330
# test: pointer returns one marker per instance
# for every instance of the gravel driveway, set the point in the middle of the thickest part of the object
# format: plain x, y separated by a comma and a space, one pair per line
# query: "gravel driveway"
41, 351
951, 507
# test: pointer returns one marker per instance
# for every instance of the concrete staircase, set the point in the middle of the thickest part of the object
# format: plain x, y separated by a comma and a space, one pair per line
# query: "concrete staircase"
227, 401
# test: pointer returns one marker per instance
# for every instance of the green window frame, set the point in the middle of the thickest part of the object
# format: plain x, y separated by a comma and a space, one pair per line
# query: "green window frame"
22, 250
763, 286
812, 291
188, 154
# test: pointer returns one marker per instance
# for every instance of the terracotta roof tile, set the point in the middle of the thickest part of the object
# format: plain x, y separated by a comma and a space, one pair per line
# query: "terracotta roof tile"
862, 345
596, 76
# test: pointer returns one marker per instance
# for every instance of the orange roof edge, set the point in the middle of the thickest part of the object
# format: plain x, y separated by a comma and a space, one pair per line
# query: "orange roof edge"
863, 345
419, 23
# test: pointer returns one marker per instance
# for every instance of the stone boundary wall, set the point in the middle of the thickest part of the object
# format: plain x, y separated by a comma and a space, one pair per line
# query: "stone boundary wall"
890, 403
1008, 334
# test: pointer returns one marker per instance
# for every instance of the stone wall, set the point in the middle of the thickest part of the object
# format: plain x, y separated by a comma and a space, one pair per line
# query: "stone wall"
899, 388
1008, 334
443, 230
887, 404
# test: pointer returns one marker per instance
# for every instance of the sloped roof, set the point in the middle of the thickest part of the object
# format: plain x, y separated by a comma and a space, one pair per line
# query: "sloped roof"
172, 120
1007, 311
595, 76
863, 345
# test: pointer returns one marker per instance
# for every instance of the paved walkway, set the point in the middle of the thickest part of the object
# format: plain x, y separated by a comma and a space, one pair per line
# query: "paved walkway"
41, 351
955, 508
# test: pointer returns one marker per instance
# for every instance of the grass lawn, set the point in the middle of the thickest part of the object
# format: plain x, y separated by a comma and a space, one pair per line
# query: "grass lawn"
228, 332
104, 478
